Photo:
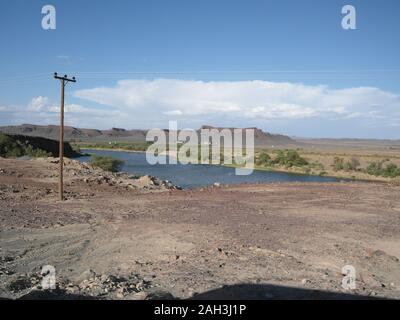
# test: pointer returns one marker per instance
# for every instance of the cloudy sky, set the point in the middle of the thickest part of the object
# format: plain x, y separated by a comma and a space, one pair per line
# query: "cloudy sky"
247, 63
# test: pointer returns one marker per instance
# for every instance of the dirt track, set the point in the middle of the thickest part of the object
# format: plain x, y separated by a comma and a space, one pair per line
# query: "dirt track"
269, 237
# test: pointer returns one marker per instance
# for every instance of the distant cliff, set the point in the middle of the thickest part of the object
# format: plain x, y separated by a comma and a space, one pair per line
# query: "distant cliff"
122, 135
262, 138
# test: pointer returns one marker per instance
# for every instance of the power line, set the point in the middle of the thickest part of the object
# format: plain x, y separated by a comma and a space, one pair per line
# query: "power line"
99, 73
26, 77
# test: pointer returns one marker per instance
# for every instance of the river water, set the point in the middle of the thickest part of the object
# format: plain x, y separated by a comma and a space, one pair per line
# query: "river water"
194, 176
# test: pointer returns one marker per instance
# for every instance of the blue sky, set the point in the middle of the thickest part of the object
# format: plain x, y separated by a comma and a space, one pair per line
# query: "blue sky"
285, 66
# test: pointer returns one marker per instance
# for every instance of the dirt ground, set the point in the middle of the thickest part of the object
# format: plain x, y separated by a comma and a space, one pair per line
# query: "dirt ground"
113, 240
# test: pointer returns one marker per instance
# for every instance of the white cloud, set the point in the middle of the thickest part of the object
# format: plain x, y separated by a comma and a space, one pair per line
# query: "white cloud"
38, 104
41, 110
174, 113
288, 108
43, 104
4, 109
243, 99
283, 110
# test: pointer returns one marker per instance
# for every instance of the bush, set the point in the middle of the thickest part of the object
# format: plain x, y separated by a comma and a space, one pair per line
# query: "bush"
36, 153
13, 148
389, 171
338, 164
290, 158
351, 165
354, 163
317, 166
106, 163
264, 159
375, 169
76, 148
9, 148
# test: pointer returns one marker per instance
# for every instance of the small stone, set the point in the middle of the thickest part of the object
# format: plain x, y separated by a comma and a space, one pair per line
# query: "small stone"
157, 294
87, 275
138, 296
103, 277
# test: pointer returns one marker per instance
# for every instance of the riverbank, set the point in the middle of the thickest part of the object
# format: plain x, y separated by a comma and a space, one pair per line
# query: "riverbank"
347, 177
114, 149
256, 241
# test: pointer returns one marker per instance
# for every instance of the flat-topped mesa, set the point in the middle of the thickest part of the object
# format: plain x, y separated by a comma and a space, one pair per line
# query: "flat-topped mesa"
51, 131
123, 135
257, 131
261, 138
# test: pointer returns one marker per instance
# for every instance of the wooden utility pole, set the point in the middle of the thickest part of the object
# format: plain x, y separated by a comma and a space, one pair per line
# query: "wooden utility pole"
63, 81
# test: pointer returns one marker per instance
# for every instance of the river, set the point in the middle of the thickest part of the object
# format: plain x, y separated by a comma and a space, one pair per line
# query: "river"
194, 176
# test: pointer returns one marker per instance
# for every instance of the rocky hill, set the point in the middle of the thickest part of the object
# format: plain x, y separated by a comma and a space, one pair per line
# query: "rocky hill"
262, 138
20, 145
118, 134
50, 131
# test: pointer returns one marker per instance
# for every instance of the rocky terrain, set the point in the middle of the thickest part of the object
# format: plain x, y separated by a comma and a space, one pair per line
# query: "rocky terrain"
122, 237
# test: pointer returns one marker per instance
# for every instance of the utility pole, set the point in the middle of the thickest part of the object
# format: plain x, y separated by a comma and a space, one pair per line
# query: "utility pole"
63, 80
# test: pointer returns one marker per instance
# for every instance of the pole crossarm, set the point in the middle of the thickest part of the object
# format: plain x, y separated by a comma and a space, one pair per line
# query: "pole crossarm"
64, 78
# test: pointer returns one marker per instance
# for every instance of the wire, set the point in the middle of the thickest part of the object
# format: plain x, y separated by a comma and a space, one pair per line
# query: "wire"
363, 74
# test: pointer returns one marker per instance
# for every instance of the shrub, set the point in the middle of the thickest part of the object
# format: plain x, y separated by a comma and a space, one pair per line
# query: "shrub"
294, 159
36, 153
338, 164
76, 148
9, 148
390, 170
351, 165
264, 159
375, 168
106, 163
317, 166
290, 158
354, 163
